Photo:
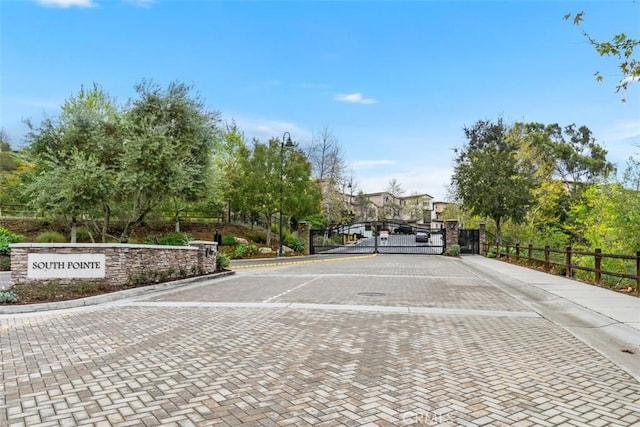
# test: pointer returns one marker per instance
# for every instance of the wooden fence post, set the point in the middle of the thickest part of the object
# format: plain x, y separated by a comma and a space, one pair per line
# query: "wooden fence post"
638, 272
530, 254
517, 252
547, 266
597, 265
567, 264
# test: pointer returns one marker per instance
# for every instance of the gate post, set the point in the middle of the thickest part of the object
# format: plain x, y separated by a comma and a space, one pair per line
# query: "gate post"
451, 233
375, 237
482, 231
304, 231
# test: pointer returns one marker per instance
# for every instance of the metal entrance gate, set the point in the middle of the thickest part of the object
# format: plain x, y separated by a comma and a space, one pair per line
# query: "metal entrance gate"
385, 237
469, 241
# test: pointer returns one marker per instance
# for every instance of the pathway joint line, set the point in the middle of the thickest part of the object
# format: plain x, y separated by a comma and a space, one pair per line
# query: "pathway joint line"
393, 309
291, 290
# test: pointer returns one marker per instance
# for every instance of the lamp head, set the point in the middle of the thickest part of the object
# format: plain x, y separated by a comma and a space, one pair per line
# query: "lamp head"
286, 140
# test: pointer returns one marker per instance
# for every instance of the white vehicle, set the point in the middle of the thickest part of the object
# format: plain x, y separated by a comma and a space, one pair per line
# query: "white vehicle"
360, 230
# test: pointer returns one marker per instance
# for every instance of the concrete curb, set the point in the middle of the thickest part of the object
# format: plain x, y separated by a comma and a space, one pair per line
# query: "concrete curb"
112, 296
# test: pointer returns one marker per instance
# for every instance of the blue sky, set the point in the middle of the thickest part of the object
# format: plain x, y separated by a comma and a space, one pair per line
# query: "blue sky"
394, 82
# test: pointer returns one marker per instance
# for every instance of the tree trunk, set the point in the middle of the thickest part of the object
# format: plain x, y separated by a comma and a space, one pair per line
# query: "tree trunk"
130, 225
269, 217
177, 221
74, 229
105, 223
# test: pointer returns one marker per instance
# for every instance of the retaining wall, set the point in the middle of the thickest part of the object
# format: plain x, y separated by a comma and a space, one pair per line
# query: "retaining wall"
113, 264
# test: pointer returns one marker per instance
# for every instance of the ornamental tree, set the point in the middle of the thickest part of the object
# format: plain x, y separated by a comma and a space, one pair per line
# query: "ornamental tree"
489, 179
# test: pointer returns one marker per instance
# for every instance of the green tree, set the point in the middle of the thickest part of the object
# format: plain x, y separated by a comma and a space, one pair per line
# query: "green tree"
364, 211
158, 148
608, 217
8, 160
620, 46
169, 150
631, 174
72, 189
88, 133
566, 153
262, 186
301, 193
489, 178
232, 160
564, 160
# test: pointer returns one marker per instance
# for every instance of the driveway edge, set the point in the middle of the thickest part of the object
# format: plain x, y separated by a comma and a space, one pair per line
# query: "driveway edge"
111, 296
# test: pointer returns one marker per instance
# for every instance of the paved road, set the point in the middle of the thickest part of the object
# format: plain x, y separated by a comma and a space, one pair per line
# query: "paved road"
381, 340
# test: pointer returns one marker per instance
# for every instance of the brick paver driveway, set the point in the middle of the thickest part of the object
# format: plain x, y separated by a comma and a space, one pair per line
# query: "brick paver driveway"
386, 340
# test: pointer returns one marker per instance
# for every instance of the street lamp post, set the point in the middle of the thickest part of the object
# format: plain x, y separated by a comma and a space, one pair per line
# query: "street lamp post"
286, 142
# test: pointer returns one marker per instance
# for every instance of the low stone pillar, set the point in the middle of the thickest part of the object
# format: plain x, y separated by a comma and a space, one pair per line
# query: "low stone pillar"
451, 227
304, 231
207, 254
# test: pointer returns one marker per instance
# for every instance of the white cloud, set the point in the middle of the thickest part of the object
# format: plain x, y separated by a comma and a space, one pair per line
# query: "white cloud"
67, 3
621, 139
354, 98
265, 129
623, 130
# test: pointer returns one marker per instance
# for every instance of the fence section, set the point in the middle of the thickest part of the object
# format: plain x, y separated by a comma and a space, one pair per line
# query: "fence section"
612, 270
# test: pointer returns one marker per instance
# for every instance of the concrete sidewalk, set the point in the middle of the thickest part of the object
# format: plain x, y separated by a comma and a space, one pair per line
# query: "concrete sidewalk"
607, 321
620, 308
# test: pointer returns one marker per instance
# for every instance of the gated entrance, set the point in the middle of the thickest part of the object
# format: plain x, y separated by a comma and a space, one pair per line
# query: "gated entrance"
469, 241
389, 237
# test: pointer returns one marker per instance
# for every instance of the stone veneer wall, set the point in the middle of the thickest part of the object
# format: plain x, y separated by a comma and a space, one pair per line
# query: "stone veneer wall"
125, 263
451, 227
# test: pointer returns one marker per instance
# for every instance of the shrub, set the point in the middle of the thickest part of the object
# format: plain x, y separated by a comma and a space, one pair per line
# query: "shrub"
257, 237
453, 250
240, 251
174, 239
295, 243
228, 241
6, 238
222, 261
83, 235
51, 237
317, 221
151, 240
8, 297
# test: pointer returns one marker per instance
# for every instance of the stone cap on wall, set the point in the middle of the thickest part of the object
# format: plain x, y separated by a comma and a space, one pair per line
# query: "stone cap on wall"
96, 245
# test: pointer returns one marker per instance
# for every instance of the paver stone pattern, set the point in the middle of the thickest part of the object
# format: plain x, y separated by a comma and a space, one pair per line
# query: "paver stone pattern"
165, 361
